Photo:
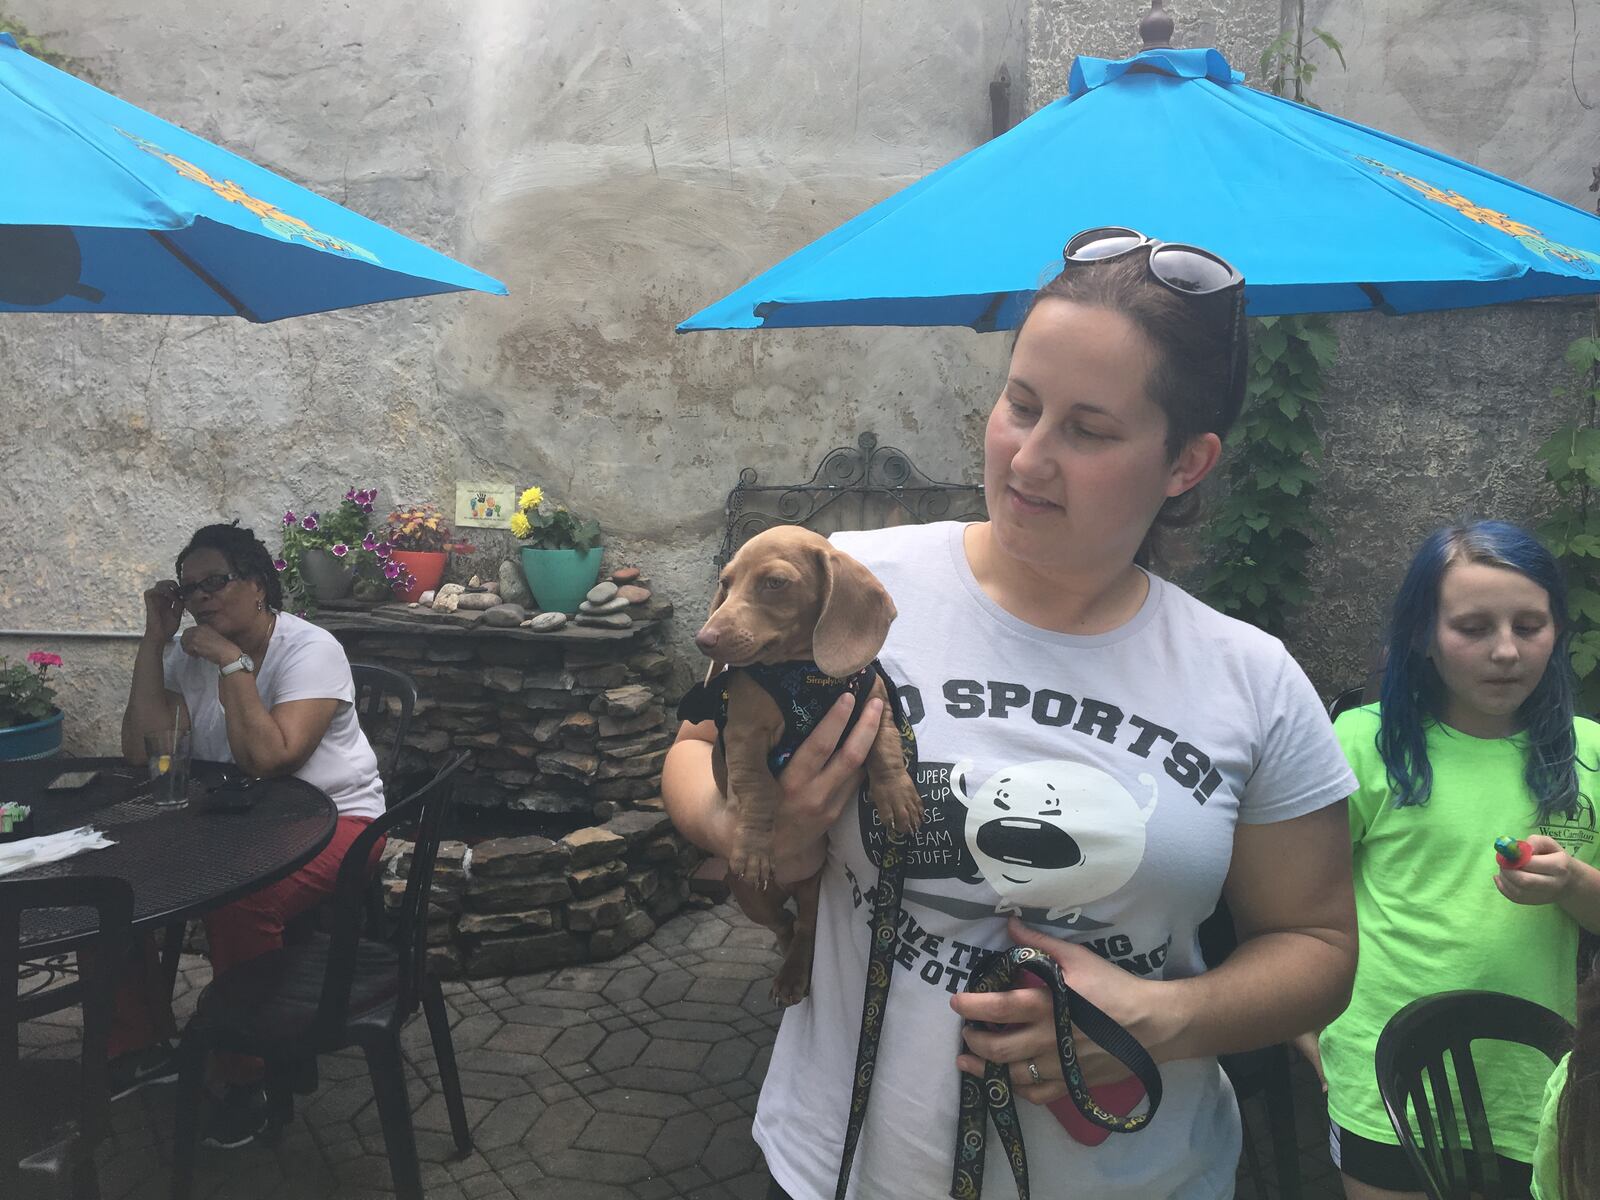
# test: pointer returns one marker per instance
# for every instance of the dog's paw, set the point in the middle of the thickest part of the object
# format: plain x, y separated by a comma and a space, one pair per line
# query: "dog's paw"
752, 865
901, 809
792, 985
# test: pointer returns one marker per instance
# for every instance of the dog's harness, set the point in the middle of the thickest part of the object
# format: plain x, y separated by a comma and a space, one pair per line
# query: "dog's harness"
802, 692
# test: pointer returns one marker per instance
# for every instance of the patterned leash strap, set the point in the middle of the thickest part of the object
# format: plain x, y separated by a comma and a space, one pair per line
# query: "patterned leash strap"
994, 1090
880, 958
875, 1003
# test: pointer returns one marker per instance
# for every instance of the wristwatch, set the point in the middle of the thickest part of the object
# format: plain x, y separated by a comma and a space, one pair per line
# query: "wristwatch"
243, 663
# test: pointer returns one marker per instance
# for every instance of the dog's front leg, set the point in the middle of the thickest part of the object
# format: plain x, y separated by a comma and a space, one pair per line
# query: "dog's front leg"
754, 725
888, 782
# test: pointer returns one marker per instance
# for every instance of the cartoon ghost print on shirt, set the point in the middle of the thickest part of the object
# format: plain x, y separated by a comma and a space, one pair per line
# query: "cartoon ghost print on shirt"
1054, 835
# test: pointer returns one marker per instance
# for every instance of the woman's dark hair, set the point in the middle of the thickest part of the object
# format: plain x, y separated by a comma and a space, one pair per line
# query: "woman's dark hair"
1195, 379
246, 556
1413, 696
1578, 1115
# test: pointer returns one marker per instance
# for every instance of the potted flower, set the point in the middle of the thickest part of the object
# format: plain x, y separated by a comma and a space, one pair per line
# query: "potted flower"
561, 552
30, 722
324, 557
420, 539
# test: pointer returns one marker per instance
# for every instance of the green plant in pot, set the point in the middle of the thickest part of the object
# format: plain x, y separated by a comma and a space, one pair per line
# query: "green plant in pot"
30, 722
327, 558
560, 554
421, 544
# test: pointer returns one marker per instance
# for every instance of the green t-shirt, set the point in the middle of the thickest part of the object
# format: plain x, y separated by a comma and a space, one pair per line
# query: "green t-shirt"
1546, 1164
1431, 919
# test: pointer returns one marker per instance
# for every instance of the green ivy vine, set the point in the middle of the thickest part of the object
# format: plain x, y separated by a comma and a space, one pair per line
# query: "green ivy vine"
1572, 530
1262, 532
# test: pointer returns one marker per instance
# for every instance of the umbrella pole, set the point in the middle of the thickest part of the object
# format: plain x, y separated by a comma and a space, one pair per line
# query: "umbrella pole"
205, 277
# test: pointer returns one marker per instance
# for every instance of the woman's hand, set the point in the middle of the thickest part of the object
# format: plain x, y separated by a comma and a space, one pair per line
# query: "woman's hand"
1133, 1003
817, 784
1544, 880
201, 641
163, 609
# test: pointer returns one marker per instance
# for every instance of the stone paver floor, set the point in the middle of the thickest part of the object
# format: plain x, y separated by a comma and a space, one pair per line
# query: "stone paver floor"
633, 1079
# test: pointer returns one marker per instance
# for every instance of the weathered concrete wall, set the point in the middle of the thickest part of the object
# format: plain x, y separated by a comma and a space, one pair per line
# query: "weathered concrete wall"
1429, 417
617, 165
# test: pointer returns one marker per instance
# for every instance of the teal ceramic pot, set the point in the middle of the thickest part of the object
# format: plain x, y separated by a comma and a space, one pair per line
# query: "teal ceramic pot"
41, 739
560, 579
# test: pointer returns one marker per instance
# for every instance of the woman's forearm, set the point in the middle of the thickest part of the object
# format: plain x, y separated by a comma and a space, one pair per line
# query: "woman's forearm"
1271, 988
256, 740
151, 709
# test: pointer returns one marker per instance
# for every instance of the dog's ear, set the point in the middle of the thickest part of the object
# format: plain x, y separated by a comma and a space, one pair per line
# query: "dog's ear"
853, 618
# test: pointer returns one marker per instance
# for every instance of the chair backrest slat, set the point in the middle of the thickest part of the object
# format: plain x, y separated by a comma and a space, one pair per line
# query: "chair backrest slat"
375, 687
112, 900
427, 809
1410, 1060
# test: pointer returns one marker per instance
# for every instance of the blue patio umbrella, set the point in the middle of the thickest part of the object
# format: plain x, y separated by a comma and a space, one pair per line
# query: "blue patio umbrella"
1319, 213
106, 208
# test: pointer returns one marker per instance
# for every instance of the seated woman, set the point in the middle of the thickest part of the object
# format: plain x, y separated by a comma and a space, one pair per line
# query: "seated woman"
274, 694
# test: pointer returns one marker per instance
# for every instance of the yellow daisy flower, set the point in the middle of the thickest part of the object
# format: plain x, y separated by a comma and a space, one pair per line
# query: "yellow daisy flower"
519, 524
530, 499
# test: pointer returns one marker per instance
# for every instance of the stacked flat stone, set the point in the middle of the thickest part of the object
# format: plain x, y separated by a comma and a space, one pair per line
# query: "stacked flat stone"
522, 904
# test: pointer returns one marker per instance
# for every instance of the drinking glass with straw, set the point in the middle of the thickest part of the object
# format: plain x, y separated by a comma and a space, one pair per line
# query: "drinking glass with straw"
167, 754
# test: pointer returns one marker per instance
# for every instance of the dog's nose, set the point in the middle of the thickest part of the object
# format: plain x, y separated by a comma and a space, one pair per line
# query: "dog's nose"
706, 639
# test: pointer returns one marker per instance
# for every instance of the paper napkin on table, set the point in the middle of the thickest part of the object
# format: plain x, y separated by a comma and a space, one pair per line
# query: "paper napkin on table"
51, 847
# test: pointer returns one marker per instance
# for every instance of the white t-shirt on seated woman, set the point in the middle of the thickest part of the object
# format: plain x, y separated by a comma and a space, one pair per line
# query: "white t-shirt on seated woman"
303, 662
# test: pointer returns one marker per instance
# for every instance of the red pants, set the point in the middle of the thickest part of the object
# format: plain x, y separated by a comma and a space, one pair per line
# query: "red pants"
242, 930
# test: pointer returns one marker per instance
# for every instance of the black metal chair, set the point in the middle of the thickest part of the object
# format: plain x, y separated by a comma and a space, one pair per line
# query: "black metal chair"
1263, 1072
52, 1111
375, 686
1410, 1058
333, 991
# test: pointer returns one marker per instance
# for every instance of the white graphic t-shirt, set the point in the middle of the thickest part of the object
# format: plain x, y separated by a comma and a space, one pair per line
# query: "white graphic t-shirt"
303, 662
1090, 785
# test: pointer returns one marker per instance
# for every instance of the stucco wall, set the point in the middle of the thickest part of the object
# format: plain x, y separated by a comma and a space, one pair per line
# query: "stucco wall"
617, 165
1430, 417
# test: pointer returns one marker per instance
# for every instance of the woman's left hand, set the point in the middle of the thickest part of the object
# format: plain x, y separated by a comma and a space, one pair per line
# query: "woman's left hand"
1029, 1012
1544, 880
201, 641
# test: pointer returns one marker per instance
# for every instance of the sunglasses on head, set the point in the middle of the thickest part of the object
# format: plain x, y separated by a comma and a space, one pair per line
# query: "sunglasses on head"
210, 585
1211, 282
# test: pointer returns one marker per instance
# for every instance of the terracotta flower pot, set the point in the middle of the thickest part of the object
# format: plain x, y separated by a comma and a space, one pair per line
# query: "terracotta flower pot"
560, 578
426, 568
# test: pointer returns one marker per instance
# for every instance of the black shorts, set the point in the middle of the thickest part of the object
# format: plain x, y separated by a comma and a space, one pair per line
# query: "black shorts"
1384, 1165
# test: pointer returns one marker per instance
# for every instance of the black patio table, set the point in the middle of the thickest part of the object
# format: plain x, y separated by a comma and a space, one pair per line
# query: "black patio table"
181, 862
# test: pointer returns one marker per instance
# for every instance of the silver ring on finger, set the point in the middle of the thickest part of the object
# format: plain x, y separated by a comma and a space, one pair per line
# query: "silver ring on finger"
1033, 1072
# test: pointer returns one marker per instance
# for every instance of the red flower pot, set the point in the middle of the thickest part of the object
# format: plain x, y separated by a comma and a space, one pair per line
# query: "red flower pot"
426, 568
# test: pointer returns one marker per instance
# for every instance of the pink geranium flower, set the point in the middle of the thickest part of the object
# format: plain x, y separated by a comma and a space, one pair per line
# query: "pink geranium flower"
42, 658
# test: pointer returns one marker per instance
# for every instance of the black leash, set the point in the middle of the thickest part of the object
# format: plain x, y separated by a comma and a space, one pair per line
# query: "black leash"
993, 1092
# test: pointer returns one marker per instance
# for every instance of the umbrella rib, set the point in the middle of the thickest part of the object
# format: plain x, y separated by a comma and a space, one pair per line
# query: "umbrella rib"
205, 277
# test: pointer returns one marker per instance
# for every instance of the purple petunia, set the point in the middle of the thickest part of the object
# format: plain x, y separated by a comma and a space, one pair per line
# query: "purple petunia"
340, 549
288, 518
309, 522
391, 570
383, 549
370, 542
279, 564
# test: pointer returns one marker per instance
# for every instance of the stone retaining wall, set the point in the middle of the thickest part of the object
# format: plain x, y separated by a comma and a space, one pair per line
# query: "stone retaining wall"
568, 727
508, 906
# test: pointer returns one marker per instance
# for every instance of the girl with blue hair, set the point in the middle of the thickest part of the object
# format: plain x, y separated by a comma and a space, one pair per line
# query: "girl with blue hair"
1474, 737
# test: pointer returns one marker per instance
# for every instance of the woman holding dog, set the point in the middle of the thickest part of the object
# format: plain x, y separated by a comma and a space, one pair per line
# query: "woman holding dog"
1101, 757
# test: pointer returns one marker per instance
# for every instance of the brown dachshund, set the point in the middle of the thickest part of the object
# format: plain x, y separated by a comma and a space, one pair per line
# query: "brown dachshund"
790, 605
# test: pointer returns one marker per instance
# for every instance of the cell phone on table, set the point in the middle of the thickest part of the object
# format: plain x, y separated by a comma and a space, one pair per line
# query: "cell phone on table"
71, 781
